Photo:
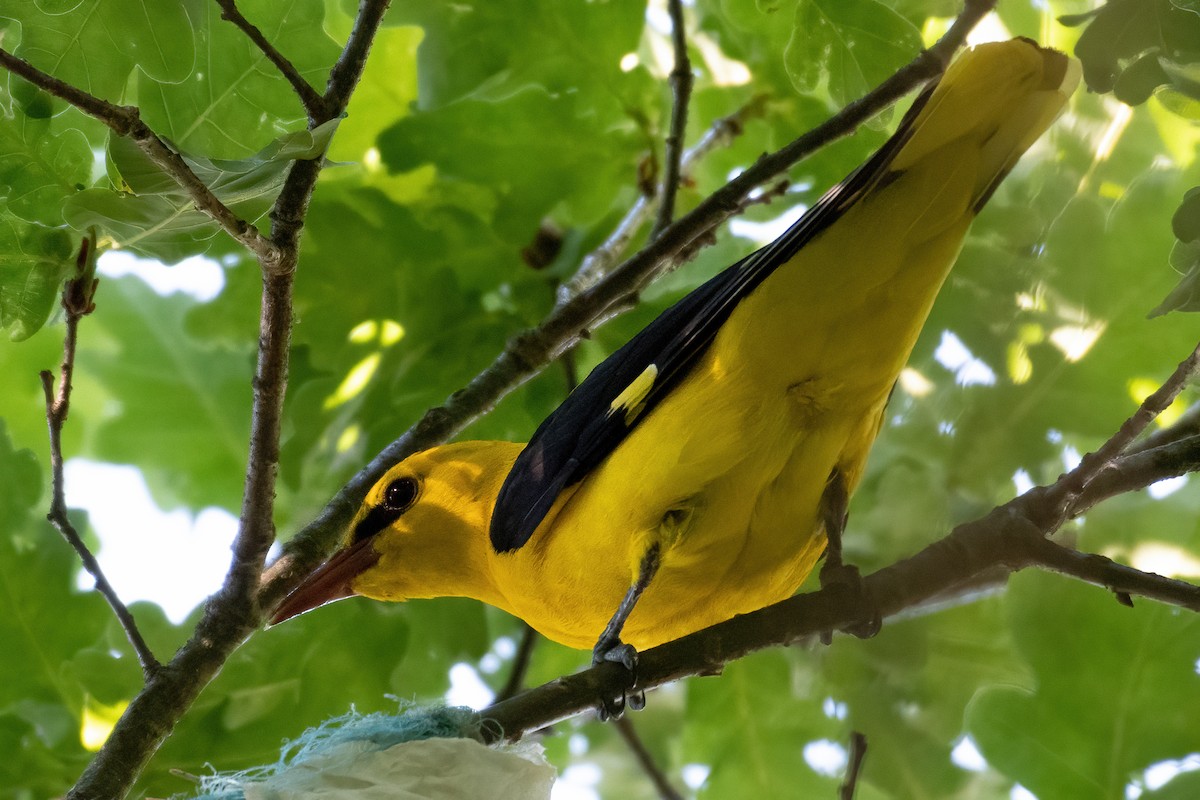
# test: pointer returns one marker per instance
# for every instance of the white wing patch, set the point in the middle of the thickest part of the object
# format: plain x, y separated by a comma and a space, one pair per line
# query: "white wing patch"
633, 399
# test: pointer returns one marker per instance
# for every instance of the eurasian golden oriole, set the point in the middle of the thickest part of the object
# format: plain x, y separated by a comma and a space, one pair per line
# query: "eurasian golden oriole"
682, 480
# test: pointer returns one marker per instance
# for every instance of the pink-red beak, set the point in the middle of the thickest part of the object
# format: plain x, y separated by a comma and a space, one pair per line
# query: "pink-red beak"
328, 582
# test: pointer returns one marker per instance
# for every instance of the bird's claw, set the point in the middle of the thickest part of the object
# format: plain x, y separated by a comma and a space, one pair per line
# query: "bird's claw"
617, 652
846, 577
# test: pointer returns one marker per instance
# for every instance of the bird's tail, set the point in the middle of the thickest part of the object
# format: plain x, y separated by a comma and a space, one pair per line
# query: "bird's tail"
998, 97
869, 258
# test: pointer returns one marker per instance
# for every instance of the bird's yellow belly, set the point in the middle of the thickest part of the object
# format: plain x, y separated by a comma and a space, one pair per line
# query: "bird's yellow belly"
746, 538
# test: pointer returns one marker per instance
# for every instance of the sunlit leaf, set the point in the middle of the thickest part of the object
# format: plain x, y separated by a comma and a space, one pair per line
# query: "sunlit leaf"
34, 261
38, 170
852, 44
234, 101
95, 44
153, 215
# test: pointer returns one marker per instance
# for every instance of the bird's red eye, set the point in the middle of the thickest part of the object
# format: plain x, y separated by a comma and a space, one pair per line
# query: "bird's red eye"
400, 494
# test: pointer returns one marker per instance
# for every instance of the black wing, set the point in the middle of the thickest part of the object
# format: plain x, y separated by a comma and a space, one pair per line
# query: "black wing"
581, 432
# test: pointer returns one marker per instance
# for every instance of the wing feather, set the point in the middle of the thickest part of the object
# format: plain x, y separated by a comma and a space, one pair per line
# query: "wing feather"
626, 387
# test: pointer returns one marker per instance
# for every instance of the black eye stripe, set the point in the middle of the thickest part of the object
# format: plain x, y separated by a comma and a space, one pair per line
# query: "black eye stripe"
376, 520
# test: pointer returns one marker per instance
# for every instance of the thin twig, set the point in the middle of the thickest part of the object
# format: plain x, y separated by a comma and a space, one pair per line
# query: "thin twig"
1069, 487
645, 759
530, 352
1138, 470
681, 80
596, 264
127, 121
313, 102
854, 762
348, 70
1123, 581
77, 302
1150, 408
516, 678
1186, 426
256, 523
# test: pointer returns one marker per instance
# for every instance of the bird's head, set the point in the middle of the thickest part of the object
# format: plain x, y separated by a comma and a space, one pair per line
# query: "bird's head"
422, 531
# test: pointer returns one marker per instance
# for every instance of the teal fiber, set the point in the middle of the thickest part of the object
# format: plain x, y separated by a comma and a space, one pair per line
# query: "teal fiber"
378, 729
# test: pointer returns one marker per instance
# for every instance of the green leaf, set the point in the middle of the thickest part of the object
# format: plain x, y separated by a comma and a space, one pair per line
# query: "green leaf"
443, 633
1139, 80
493, 48
235, 101
34, 262
41, 696
156, 217
850, 44
1185, 75
387, 89
21, 476
1112, 693
907, 688
95, 44
1185, 259
197, 393
39, 170
1185, 222
491, 149
1182, 104
1125, 31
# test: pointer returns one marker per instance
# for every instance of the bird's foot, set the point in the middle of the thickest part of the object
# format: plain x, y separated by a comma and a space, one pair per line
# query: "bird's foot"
617, 652
845, 578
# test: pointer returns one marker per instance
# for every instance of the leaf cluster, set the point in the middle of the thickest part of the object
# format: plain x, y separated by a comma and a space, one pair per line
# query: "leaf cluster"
479, 126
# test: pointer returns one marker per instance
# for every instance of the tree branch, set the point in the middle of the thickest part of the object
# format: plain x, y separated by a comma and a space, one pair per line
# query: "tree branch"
233, 613
77, 302
1004, 539
1138, 470
1187, 425
1064, 494
530, 352
256, 532
127, 121
348, 70
314, 103
681, 86
1119, 579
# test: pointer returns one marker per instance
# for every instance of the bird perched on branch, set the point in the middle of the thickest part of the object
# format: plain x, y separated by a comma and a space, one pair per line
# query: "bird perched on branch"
695, 474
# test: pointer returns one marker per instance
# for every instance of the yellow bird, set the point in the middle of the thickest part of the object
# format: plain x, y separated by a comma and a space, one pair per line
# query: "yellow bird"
691, 476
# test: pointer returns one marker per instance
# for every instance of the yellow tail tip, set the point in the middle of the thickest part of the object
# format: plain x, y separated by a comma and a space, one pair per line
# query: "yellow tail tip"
993, 102
1060, 72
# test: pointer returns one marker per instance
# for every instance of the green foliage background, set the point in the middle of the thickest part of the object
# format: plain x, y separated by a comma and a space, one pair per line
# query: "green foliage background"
475, 122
